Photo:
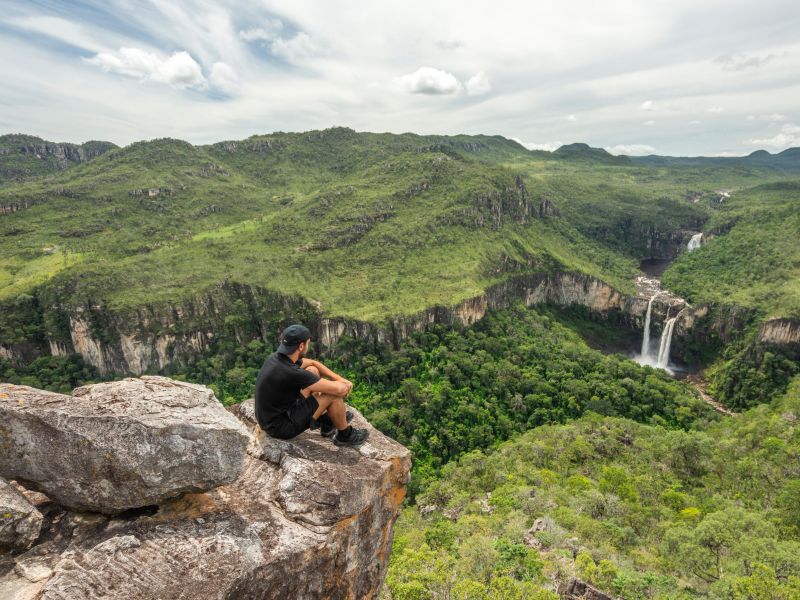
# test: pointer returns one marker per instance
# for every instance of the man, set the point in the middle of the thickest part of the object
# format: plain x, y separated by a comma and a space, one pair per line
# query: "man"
294, 393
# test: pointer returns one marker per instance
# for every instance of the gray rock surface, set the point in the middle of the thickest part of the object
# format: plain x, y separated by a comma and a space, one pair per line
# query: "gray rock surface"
20, 521
119, 445
304, 520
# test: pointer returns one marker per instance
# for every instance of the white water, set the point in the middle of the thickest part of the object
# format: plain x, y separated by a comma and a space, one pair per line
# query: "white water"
695, 242
661, 360
666, 342
646, 337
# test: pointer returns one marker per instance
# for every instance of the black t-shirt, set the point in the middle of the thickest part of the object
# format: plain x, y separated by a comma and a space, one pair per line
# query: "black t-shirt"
278, 386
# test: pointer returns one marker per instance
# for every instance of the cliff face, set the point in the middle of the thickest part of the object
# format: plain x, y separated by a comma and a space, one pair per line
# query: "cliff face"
157, 336
23, 156
302, 519
781, 332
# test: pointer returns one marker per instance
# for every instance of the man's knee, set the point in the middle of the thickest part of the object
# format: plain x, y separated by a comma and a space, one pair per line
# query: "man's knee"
326, 400
313, 369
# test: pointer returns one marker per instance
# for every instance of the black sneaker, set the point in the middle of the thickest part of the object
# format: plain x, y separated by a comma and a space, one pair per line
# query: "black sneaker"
356, 437
330, 430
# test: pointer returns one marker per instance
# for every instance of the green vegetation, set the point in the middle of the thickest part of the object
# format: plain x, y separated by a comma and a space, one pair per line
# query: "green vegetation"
638, 510
752, 258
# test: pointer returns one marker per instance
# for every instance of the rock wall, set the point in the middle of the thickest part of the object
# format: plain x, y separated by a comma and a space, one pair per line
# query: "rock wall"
781, 332
154, 337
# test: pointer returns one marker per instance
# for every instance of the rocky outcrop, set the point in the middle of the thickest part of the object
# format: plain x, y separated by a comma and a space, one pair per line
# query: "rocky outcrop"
20, 522
781, 332
119, 445
304, 519
24, 156
575, 589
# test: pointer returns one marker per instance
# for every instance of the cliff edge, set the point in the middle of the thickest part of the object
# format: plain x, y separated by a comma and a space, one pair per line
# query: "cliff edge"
300, 519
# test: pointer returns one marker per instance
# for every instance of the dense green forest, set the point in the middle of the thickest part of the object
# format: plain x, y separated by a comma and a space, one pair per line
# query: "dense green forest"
639, 510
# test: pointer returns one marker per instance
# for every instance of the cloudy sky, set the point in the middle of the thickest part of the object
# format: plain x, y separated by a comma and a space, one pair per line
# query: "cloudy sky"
669, 77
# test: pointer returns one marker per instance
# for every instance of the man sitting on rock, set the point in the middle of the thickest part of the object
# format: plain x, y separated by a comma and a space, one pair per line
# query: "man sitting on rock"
294, 393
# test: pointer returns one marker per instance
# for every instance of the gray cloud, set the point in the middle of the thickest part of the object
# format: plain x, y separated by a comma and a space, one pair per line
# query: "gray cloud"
740, 62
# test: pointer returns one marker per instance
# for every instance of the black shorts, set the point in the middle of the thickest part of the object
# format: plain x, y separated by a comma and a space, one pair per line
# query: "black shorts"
294, 421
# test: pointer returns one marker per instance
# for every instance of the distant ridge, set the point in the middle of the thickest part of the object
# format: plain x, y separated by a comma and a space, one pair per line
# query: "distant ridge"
23, 157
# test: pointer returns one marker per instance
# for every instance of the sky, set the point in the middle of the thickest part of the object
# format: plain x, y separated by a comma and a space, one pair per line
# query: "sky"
674, 77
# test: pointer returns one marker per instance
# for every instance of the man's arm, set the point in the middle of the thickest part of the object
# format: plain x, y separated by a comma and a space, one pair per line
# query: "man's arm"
326, 386
323, 370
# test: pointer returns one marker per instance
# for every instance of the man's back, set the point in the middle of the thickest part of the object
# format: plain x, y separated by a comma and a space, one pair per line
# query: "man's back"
278, 386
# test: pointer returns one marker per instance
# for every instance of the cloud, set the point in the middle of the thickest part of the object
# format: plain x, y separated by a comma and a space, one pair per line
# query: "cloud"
270, 29
695, 122
772, 118
788, 137
223, 78
631, 149
649, 123
740, 62
648, 105
571, 118
546, 146
449, 44
179, 70
297, 48
430, 81
478, 85
716, 109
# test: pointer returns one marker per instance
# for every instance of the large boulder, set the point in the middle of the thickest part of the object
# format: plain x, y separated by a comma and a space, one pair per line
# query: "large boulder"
114, 446
20, 521
305, 519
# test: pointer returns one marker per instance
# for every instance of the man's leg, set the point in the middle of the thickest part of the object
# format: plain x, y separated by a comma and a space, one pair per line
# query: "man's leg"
328, 404
334, 407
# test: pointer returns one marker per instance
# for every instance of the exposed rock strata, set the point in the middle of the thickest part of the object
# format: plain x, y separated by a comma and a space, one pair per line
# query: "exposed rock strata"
305, 519
781, 332
154, 337
119, 445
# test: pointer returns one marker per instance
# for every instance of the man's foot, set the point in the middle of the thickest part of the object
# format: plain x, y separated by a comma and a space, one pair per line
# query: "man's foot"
356, 437
329, 429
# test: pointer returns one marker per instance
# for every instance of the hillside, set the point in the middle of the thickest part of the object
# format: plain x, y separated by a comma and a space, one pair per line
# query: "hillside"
25, 157
139, 256
639, 511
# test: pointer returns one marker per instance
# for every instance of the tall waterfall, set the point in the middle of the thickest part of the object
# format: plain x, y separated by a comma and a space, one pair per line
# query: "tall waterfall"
666, 341
646, 337
694, 243
661, 360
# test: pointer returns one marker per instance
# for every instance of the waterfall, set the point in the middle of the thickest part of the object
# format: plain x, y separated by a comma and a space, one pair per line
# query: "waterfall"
646, 337
666, 340
694, 243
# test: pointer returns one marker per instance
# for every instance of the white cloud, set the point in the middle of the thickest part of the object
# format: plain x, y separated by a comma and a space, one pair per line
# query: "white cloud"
649, 123
772, 118
270, 29
571, 118
695, 122
179, 70
478, 85
631, 149
223, 78
716, 109
788, 137
297, 48
740, 62
648, 105
427, 80
547, 146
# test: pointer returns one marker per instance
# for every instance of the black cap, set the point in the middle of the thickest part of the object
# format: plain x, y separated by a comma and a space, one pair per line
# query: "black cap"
291, 338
